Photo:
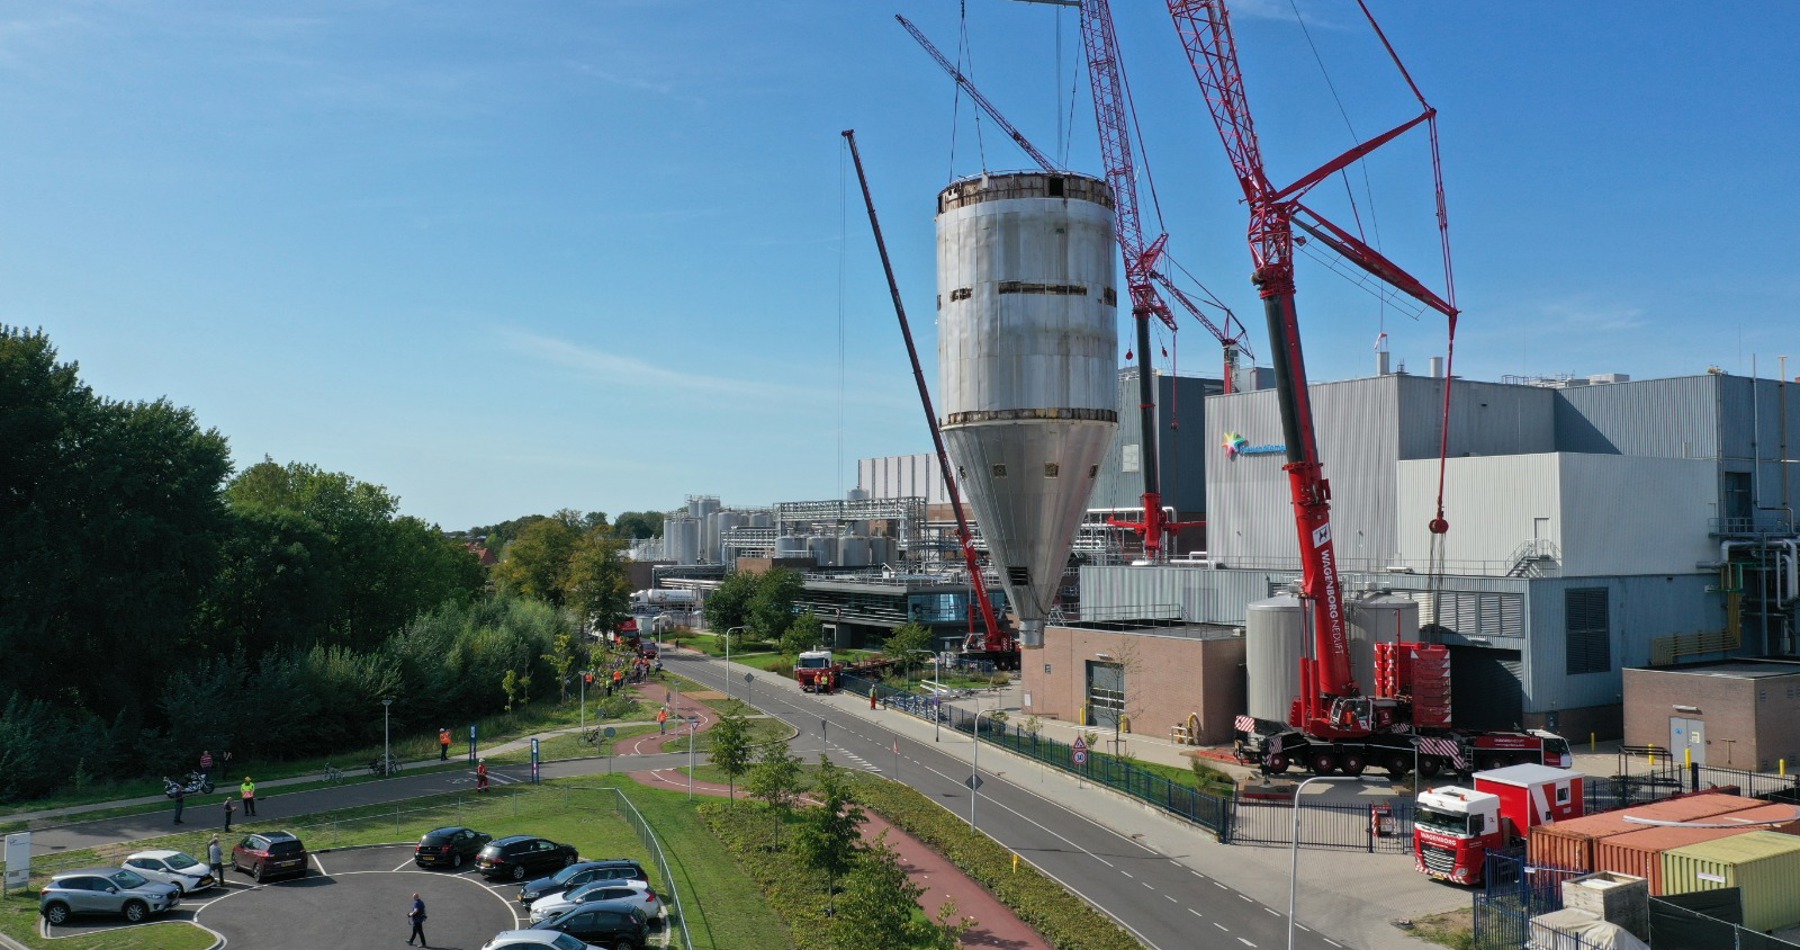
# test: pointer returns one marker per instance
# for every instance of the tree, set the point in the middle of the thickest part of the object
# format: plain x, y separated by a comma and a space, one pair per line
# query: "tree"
876, 911
729, 606
564, 658
775, 778
597, 584
829, 836
805, 633
772, 606
636, 525
905, 639
731, 748
537, 561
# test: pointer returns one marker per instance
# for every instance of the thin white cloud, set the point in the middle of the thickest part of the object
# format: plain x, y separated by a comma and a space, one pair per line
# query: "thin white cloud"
612, 367
1582, 317
634, 83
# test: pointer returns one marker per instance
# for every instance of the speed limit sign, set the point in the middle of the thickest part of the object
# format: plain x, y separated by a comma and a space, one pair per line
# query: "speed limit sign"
1078, 752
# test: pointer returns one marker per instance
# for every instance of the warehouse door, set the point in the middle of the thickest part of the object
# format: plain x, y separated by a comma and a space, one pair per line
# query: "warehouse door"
1688, 736
1487, 688
1105, 693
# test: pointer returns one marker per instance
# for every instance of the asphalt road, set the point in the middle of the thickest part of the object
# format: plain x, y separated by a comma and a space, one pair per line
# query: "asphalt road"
1162, 901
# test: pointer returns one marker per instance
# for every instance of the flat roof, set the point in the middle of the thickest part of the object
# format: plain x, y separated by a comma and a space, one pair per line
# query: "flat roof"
1732, 669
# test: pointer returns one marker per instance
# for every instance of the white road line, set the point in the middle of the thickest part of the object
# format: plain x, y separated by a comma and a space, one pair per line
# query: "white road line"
1273, 911
1221, 926
1304, 927
1220, 886
1245, 942
1195, 912
1171, 898
1333, 942
402, 867
1245, 898
1129, 874
1148, 884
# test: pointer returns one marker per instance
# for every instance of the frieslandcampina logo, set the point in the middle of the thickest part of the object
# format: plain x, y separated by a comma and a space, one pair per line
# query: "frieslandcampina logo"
1236, 445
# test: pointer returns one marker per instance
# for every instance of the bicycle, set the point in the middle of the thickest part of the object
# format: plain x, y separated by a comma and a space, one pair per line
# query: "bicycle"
381, 767
333, 774
591, 736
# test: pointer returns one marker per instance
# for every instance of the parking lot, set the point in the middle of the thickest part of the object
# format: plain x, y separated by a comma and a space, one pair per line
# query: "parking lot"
355, 899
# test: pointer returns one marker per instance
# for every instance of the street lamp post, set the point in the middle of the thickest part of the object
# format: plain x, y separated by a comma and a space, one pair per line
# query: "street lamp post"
1294, 845
387, 755
975, 763
728, 632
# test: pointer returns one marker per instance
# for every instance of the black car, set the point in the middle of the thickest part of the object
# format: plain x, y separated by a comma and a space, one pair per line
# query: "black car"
603, 927
521, 856
585, 872
449, 847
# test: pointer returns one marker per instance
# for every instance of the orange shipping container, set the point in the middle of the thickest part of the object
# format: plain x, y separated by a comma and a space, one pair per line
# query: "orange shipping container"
1640, 852
1573, 844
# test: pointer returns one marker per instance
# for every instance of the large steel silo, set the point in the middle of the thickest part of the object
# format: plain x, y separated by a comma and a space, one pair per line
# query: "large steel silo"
1274, 641
1378, 618
683, 536
1027, 355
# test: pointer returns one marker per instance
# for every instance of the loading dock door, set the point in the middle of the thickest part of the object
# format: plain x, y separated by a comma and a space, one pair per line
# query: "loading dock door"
1487, 689
1105, 693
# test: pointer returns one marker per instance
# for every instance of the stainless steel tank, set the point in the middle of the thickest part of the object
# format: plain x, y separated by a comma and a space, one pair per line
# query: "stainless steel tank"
1375, 618
762, 518
881, 551
790, 545
1027, 355
1274, 641
699, 506
853, 551
824, 549
724, 523
683, 536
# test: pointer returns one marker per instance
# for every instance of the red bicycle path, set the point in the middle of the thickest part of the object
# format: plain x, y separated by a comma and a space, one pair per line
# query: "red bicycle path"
995, 924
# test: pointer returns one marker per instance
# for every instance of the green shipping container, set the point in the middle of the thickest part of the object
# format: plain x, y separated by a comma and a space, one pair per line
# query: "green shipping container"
1765, 865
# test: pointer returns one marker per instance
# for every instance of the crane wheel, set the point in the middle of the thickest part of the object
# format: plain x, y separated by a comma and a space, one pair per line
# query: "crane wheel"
1276, 763
1398, 764
1353, 763
1430, 766
1323, 763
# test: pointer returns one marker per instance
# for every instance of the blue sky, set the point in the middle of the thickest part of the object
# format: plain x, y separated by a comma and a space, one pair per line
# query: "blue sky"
506, 258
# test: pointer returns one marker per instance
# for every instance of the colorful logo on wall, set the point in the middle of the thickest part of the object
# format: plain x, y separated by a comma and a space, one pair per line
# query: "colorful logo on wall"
1236, 445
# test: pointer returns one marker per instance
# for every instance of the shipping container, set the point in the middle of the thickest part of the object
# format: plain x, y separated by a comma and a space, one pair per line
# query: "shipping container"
1763, 865
1571, 845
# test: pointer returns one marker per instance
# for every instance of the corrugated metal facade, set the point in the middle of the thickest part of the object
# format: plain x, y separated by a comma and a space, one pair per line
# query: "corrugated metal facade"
1180, 400
902, 476
1660, 418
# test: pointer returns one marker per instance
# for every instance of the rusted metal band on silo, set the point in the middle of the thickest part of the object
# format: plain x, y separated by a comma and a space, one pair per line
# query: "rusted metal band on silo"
971, 191
1031, 415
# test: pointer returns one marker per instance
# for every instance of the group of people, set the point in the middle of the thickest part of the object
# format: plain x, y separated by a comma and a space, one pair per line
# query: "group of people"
246, 795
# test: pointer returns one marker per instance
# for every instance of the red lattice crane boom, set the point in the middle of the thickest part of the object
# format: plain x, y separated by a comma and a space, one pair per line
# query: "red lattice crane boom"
1205, 30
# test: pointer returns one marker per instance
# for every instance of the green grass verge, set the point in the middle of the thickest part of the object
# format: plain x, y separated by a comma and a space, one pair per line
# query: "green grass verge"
1063, 919
761, 729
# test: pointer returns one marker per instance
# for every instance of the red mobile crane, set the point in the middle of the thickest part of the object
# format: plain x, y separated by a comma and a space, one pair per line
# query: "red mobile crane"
997, 642
1112, 115
1332, 724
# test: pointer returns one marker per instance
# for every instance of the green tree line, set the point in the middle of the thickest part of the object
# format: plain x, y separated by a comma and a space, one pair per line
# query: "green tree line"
153, 603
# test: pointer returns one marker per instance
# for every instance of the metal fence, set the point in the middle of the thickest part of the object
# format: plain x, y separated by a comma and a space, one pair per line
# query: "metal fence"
1377, 828
1500, 925
647, 836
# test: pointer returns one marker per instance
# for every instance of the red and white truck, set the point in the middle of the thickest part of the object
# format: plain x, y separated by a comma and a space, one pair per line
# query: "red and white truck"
817, 672
1454, 828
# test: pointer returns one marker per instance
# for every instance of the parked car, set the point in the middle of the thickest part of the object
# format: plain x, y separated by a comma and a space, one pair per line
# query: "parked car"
449, 847
602, 926
585, 872
269, 854
105, 891
521, 856
611, 893
534, 940
173, 867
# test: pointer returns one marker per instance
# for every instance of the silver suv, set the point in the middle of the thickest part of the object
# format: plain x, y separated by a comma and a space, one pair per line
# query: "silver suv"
105, 891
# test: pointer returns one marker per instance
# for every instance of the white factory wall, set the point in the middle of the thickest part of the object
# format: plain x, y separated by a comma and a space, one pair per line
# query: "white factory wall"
1605, 514
903, 476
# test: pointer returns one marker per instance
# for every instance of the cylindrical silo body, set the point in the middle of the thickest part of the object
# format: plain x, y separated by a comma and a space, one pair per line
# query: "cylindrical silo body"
762, 518
824, 549
683, 536
881, 551
699, 506
725, 523
1378, 618
1027, 355
790, 545
1274, 642
853, 551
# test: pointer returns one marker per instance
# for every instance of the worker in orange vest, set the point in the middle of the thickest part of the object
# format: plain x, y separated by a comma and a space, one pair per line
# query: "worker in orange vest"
481, 780
444, 744
662, 721
871, 697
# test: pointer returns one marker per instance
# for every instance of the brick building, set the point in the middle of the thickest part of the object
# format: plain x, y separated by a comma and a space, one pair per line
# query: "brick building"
1156, 674
1734, 714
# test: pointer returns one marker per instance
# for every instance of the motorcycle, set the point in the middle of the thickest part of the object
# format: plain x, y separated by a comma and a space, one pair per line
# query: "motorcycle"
194, 783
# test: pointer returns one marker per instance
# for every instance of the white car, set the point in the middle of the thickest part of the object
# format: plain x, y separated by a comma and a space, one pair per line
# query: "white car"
621, 894
173, 867
533, 940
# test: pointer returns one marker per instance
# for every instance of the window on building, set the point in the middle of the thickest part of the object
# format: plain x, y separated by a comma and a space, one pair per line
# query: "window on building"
1588, 630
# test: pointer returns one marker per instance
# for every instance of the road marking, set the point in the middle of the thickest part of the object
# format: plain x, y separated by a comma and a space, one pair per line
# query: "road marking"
1333, 942
1148, 884
1221, 926
1245, 898
1129, 875
1195, 912
1171, 898
1273, 911
1220, 886
1245, 942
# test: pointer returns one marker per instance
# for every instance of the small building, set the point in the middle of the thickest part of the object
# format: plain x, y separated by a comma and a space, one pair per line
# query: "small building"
1155, 675
1739, 714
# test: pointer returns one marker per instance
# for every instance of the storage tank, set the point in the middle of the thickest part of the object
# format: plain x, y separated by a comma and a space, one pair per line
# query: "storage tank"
1027, 354
881, 551
683, 537
824, 549
857, 494
853, 550
725, 522
1274, 641
1378, 618
699, 506
762, 518
790, 545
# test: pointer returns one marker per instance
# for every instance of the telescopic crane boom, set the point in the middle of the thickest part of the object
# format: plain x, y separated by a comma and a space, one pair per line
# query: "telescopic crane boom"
996, 640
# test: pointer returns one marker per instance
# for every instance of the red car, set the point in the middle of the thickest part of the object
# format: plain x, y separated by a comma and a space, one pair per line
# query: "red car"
269, 854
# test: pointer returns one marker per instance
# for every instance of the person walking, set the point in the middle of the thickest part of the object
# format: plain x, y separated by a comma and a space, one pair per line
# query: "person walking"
206, 764
180, 803
481, 781
444, 744
230, 807
248, 791
417, 916
662, 721
215, 855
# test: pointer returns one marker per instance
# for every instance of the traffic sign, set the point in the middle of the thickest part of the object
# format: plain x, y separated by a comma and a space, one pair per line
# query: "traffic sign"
973, 781
1078, 751
609, 732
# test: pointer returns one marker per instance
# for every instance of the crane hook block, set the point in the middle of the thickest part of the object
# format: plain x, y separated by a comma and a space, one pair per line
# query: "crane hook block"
1439, 526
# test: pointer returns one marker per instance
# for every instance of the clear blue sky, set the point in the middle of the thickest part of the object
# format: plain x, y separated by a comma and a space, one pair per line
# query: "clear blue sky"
506, 258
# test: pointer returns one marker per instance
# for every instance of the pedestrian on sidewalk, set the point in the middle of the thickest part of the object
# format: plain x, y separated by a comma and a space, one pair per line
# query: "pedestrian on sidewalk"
662, 721
215, 856
417, 916
481, 778
248, 791
180, 802
444, 744
230, 807
206, 764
